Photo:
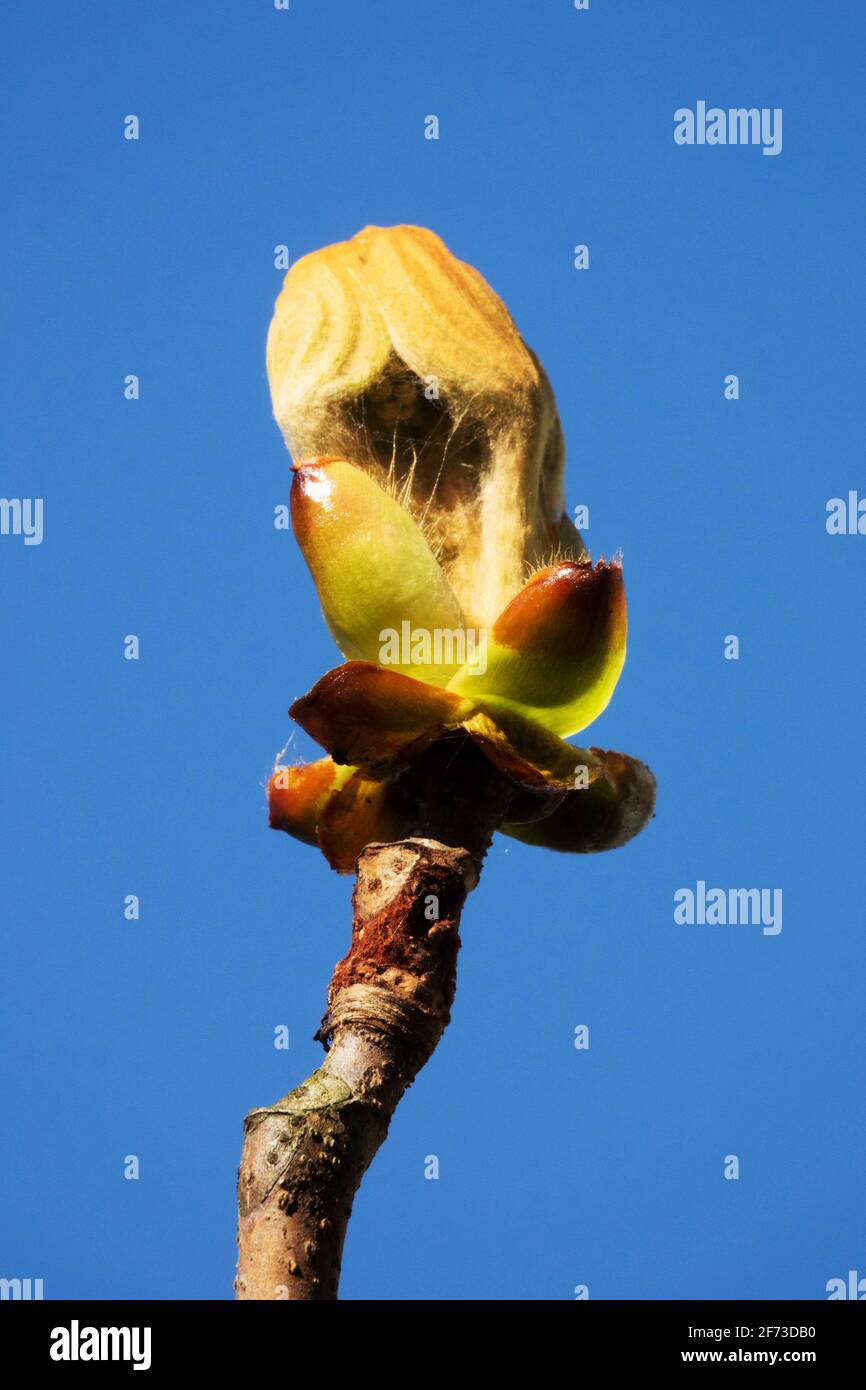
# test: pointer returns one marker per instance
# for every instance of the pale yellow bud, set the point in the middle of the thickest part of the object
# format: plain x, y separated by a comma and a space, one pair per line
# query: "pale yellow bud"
389, 350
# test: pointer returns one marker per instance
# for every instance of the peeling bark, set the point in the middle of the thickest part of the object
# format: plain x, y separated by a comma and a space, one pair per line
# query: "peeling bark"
388, 1004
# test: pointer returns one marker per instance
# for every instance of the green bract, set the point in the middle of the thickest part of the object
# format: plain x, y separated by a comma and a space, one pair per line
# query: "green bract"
372, 566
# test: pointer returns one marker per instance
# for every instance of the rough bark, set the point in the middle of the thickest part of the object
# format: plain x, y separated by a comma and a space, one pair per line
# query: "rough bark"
388, 1003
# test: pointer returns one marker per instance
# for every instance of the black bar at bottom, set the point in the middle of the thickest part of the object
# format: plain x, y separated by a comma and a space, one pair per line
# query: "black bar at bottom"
68, 1338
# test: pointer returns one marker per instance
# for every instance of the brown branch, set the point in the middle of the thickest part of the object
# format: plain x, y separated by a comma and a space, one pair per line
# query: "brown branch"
388, 1003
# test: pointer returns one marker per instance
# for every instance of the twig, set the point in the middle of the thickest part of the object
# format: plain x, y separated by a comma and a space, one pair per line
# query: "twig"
389, 1002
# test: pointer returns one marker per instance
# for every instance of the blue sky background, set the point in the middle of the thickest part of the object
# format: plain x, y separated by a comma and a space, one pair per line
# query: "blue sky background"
558, 1167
